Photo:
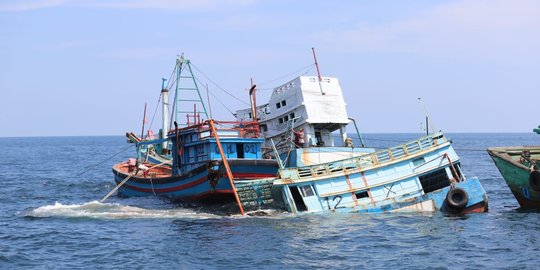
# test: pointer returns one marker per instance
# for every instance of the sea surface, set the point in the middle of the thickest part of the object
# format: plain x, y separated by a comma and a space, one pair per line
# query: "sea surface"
50, 218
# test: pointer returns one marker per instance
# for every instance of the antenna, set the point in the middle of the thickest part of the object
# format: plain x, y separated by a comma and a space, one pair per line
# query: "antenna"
428, 118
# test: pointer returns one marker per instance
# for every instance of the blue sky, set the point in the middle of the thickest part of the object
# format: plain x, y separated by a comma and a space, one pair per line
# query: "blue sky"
85, 67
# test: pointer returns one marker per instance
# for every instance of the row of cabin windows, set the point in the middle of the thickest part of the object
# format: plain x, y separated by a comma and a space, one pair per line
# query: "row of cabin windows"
281, 104
286, 118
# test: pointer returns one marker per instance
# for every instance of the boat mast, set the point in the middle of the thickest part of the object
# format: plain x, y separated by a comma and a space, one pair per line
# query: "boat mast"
143, 122
318, 71
164, 112
187, 97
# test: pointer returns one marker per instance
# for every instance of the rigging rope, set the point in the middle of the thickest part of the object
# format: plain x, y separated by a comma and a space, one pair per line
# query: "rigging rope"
153, 116
219, 87
210, 92
101, 162
310, 66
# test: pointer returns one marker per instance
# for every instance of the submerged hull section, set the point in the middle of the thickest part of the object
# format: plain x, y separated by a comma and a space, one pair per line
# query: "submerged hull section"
423, 175
519, 167
208, 182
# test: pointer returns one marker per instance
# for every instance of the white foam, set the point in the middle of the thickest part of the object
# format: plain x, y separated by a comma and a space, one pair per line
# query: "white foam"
96, 209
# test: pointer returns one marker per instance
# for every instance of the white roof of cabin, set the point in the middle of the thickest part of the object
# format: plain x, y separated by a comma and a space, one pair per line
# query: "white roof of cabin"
329, 107
312, 101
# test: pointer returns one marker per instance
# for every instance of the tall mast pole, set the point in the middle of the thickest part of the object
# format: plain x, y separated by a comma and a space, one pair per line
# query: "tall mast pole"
316, 64
164, 111
143, 122
318, 71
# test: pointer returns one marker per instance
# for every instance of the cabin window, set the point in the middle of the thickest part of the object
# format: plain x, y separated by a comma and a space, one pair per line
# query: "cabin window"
249, 115
283, 103
418, 161
307, 191
240, 150
278, 105
298, 201
250, 148
291, 115
286, 118
434, 180
280, 120
362, 194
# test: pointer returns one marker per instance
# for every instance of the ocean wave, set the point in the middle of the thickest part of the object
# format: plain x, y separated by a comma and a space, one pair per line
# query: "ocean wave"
95, 209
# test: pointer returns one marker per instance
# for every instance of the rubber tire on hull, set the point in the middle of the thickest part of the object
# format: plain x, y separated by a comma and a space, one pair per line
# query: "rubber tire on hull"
457, 198
534, 180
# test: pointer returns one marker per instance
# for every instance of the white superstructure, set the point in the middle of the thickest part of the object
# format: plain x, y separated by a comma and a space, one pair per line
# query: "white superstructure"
315, 108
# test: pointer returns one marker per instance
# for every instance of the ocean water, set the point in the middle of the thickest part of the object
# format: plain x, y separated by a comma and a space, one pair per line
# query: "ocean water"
50, 218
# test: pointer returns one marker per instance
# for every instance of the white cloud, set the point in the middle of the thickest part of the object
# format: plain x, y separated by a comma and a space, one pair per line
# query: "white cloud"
130, 4
487, 29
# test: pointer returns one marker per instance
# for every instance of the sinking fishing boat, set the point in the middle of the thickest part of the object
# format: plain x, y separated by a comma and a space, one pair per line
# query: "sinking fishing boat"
520, 168
205, 156
318, 172
421, 175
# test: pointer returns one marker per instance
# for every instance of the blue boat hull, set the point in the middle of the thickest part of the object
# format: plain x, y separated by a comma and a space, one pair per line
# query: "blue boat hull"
199, 184
477, 200
422, 175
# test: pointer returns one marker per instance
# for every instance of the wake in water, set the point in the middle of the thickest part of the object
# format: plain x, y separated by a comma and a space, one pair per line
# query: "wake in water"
99, 210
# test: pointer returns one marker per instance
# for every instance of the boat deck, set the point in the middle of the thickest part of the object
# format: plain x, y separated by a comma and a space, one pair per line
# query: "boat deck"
515, 154
154, 170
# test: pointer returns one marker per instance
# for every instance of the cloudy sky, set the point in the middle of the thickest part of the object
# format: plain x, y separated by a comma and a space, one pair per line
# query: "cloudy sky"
86, 67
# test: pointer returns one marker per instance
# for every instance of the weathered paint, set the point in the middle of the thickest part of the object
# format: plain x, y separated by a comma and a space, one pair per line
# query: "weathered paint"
516, 174
383, 181
187, 186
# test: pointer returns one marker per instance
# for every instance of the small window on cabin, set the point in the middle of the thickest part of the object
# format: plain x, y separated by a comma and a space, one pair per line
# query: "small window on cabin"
280, 120
292, 115
278, 105
362, 194
307, 191
418, 161
283, 103
434, 180
249, 115
286, 118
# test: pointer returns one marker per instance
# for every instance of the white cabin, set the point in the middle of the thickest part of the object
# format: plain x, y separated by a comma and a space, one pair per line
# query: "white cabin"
316, 107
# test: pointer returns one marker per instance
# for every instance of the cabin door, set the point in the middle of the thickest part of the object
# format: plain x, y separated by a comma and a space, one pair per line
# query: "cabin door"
310, 199
240, 150
304, 198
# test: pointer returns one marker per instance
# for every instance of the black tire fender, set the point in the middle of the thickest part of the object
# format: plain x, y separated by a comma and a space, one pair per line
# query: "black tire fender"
534, 180
457, 198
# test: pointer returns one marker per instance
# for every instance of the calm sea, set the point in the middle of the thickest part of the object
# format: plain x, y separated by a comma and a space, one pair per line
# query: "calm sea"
50, 219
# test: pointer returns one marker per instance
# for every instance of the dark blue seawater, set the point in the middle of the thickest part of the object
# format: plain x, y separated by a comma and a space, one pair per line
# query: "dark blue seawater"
50, 219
